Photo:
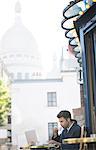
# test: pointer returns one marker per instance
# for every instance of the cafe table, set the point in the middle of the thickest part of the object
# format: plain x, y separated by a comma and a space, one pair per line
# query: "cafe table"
39, 147
79, 140
84, 141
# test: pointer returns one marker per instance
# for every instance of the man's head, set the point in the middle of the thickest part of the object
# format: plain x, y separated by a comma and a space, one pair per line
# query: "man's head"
64, 117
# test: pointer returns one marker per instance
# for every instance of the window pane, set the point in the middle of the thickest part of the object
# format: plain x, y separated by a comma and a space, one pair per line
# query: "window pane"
19, 75
51, 125
51, 99
26, 75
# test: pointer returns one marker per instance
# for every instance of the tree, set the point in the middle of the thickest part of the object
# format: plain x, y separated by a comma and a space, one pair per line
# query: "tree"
5, 103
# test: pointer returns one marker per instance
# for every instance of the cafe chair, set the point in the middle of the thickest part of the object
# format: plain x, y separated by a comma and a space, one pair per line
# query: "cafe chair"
83, 146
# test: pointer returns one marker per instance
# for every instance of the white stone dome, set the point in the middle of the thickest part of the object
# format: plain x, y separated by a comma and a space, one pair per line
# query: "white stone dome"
19, 38
19, 50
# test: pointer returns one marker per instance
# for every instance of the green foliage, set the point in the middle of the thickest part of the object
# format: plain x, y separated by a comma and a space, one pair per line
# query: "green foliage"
5, 103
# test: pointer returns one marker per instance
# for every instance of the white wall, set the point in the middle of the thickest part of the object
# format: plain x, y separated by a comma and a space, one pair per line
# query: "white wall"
29, 105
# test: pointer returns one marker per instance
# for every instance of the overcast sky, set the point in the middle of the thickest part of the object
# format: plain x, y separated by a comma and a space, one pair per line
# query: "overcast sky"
43, 18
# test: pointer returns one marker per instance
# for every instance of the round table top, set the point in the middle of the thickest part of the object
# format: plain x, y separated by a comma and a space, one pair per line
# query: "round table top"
79, 140
38, 146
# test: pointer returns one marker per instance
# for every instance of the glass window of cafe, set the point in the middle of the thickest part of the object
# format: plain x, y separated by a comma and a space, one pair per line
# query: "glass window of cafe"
90, 52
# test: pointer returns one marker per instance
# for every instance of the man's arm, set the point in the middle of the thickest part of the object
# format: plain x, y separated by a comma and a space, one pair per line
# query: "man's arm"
55, 143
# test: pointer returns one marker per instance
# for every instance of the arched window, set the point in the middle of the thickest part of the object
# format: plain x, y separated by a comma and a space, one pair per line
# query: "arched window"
26, 75
19, 75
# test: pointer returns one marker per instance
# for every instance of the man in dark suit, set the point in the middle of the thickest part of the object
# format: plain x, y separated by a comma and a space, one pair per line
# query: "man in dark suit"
71, 130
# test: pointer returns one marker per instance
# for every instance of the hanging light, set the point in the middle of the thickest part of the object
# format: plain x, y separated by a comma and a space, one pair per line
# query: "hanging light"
80, 75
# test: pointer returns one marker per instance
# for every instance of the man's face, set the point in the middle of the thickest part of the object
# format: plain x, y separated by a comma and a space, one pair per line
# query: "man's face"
64, 122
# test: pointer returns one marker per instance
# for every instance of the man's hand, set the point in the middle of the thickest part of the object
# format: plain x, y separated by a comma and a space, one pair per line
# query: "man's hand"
54, 143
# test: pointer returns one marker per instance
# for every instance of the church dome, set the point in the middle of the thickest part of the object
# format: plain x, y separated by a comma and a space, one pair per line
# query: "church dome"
19, 50
19, 38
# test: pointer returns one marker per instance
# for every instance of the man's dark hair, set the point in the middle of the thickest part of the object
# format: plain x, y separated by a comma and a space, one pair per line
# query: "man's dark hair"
65, 114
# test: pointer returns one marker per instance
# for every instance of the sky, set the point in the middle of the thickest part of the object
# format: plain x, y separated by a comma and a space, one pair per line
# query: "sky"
43, 19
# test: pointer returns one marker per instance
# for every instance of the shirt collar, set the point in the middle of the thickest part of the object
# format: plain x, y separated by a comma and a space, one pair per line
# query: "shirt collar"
70, 127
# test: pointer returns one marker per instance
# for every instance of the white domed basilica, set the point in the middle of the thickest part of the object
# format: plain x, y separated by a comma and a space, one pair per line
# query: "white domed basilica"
19, 50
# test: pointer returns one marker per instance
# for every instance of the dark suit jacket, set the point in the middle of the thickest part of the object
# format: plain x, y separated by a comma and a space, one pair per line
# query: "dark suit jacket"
74, 132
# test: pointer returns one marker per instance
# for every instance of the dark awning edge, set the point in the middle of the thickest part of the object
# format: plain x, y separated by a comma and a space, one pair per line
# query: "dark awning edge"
68, 29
